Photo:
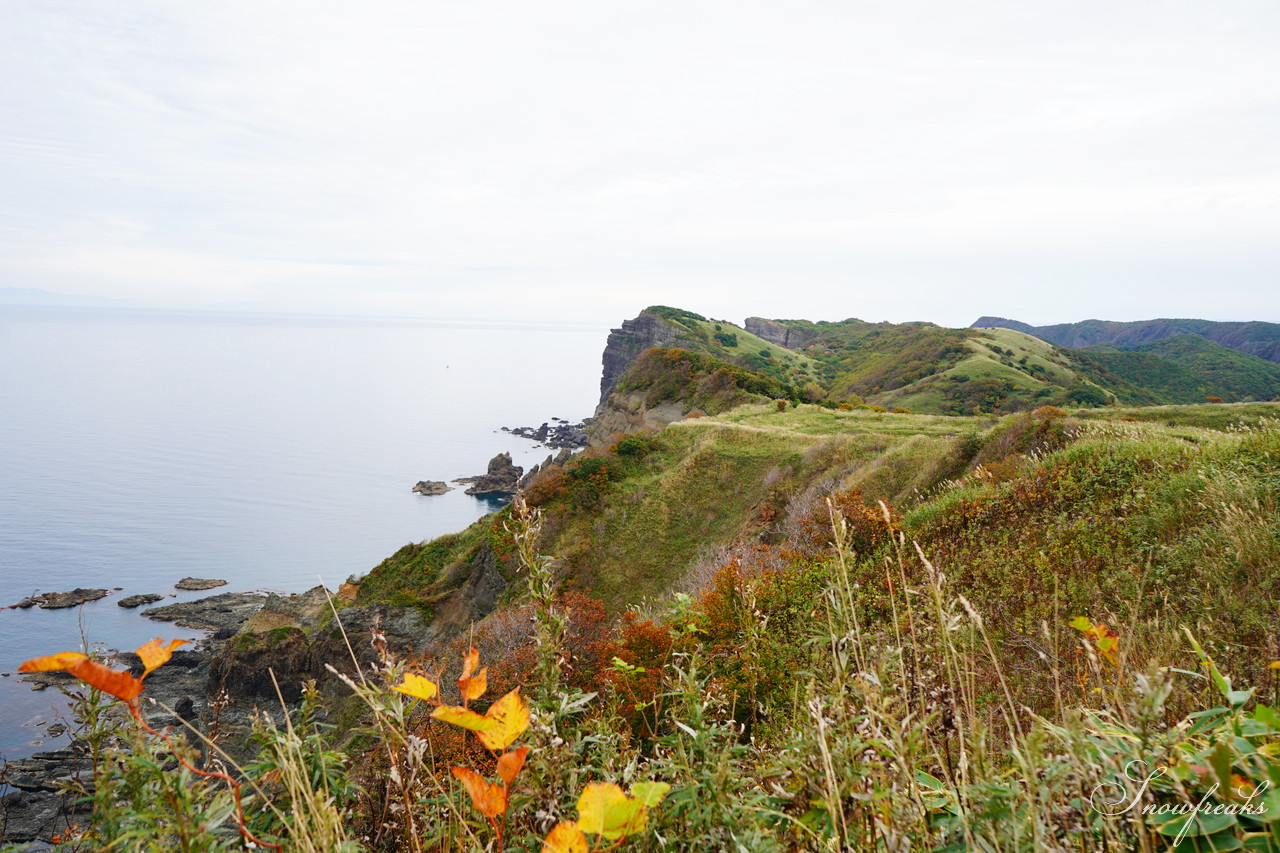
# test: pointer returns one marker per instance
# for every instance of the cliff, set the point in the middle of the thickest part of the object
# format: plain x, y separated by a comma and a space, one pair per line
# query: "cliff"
625, 344
775, 332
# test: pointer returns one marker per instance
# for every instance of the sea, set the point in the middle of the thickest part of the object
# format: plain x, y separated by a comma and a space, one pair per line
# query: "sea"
274, 452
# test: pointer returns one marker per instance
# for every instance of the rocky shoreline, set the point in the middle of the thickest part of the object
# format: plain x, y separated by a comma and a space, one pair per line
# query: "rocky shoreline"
225, 677
40, 806
563, 434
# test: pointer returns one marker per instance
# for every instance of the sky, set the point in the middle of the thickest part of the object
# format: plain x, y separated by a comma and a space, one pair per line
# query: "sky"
581, 159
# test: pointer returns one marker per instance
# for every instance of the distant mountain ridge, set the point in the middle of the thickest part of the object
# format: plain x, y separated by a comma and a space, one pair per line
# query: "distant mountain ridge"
1253, 337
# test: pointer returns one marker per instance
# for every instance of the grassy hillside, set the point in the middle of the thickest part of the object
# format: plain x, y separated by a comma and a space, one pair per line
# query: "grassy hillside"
926, 368
730, 342
856, 630
1012, 589
1182, 369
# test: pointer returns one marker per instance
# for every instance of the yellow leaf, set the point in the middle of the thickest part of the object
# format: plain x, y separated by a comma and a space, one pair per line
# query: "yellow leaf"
650, 793
417, 686
462, 717
155, 655
604, 810
489, 799
565, 837
510, 763
511, 717
50, 663
1275, 664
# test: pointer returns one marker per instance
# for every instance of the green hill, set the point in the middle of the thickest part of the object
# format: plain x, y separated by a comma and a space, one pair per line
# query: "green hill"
930, 369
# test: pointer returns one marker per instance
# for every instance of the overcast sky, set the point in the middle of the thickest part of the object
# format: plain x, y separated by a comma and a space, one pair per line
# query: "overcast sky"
1047, 161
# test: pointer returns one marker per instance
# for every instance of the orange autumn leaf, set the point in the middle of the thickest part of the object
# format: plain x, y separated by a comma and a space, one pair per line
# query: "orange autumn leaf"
510, 764
50, 663
511, 716
565, 837
470, 661
475, 686
118, 683
155, 655
471, 684
464, 718
417, 686
1104, 639
489, 799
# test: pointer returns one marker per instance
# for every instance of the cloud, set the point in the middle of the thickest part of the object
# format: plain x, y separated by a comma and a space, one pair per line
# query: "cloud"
917, 160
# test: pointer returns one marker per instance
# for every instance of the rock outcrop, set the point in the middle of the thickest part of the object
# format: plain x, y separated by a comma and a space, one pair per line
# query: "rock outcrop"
776, 333
199, 583
431, 487
502, 478
39, 808
139, 600
560, 434
225, 612
59, 600
629, 413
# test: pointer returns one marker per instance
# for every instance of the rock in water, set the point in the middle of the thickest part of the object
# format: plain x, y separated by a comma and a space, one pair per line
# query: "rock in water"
58, 600
139, 600
431, 487
199, 583
501, 478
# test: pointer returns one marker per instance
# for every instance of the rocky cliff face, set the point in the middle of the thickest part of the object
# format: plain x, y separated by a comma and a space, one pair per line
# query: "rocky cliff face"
628, 413
776, 333
626, 343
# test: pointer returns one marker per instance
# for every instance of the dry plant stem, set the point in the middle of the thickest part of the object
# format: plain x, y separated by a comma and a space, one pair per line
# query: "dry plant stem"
234, 785
393, 732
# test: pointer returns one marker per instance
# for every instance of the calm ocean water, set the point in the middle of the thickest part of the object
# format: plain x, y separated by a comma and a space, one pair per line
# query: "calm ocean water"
137, 448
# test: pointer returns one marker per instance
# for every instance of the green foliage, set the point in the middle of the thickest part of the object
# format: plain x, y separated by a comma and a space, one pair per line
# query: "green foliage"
727, 339
703, 381
1183, 369
417, 574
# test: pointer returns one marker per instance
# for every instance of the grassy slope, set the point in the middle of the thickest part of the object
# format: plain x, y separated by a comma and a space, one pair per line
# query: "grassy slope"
1183, 369
738, 346
710, 481
634, 532
923, 367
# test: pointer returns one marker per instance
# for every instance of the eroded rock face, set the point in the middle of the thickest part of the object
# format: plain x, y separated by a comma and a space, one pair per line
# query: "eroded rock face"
776, 333
625, 345
628, 413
